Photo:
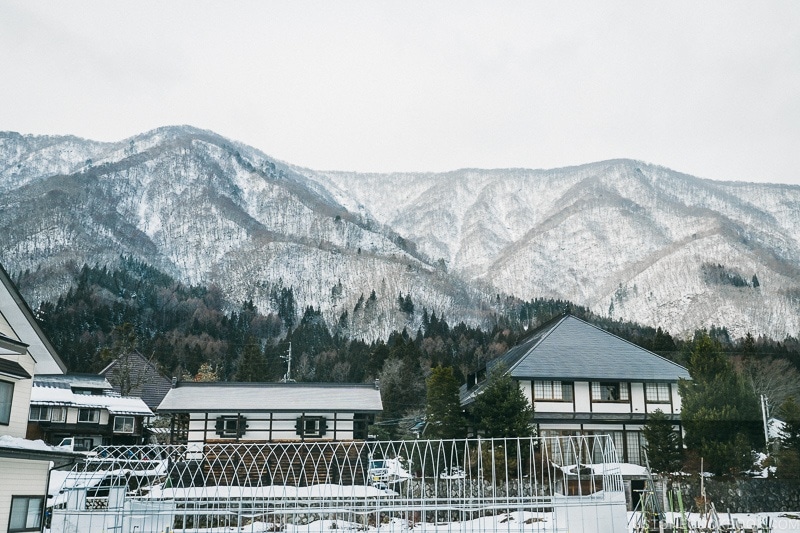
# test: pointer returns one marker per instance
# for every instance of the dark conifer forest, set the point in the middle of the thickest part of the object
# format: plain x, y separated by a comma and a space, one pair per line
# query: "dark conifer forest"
182, 327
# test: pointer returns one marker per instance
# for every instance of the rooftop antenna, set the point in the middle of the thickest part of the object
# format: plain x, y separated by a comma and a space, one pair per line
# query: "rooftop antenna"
287, 377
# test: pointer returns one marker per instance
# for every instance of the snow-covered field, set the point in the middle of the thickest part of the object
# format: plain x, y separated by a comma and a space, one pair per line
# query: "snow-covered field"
518, 522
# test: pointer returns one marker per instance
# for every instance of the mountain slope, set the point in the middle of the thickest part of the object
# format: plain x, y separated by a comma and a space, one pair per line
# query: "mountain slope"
209, 211
624, 238
632, 240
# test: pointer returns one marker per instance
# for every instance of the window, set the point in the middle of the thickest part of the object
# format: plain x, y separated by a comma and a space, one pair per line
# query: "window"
89, 416
635, 441
311, 426
6, 395
231, 427
124, 424
39, 413
609, 391
552, 390
26, 513
58, 414
657, 392
83, 445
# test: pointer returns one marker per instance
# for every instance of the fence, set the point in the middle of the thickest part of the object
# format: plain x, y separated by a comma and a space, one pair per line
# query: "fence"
532, 484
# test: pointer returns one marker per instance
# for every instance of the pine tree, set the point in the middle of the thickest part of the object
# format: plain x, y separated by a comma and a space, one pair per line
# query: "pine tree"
720, 412
252, 365
788, 457
663, 445
443, 412
501, 409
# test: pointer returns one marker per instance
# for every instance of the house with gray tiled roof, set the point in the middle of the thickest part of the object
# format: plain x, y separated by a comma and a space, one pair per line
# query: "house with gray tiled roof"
582, 379
269, 412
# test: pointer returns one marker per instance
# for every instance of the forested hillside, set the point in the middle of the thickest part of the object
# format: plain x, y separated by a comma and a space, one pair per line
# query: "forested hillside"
182, 327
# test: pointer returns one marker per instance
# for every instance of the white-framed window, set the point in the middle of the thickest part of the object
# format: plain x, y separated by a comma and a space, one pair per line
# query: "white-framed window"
6, 395
89, 416
552, 390
26, 513
231, 427
657, 392
58, 414
124, 424
39, 413
610, 391
310, 427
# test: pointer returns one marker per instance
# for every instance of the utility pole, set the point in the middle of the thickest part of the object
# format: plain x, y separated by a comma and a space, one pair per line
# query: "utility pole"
287, 378
765, 417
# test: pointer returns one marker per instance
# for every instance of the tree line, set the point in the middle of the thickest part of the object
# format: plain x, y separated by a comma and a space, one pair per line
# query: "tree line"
194, 330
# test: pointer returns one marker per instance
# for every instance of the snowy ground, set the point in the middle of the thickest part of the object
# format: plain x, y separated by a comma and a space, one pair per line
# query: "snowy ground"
517, 522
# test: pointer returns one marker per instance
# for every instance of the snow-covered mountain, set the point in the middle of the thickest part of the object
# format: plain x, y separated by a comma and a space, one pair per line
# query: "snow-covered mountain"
624, 238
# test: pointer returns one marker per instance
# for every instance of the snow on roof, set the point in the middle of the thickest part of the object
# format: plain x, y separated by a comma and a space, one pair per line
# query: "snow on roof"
250, 397
18, 443
60, 394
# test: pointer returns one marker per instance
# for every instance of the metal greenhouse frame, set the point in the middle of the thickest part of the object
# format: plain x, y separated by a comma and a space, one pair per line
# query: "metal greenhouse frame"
529, 484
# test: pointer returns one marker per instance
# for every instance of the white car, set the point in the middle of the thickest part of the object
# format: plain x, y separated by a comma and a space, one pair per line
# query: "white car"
384, 472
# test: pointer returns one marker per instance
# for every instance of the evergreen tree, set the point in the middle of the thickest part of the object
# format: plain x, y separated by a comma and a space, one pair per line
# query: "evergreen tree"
790, 414
720, 412
789, 453
663, 443
501, 409
443, 413
252, 365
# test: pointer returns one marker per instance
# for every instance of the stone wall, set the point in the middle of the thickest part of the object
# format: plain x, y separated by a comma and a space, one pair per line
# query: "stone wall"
742, 495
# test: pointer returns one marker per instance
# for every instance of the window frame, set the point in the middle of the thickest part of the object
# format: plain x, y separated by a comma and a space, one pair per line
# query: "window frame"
58, 409
658, 387
230, 426
311, 427
124, 418
16, 499
553, 391
622, 388
5, 412
96, 417
39, 409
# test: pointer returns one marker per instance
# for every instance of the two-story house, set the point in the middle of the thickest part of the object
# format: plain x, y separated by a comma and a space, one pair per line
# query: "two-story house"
84, 407
269, 412
24, 464
583, 380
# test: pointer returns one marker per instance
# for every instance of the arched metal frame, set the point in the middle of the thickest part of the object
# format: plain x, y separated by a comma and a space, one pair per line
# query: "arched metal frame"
526, 484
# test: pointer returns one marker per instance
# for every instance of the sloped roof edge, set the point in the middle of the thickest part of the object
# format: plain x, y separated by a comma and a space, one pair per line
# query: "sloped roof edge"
29, 316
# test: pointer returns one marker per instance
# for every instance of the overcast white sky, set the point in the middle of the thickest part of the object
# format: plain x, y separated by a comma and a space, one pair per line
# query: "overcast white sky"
707, 88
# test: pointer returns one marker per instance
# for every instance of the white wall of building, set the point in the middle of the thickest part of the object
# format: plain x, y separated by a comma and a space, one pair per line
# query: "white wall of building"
29, 479
263, 427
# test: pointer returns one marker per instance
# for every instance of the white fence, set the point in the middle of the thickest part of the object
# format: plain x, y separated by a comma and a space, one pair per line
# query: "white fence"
533, 484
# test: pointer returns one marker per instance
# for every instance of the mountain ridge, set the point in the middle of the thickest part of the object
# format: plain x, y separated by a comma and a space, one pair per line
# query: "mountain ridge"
625, 238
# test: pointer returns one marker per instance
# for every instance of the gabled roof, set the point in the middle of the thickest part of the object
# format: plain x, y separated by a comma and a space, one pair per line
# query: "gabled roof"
272, 397
568, 348
147, 382
18, 323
